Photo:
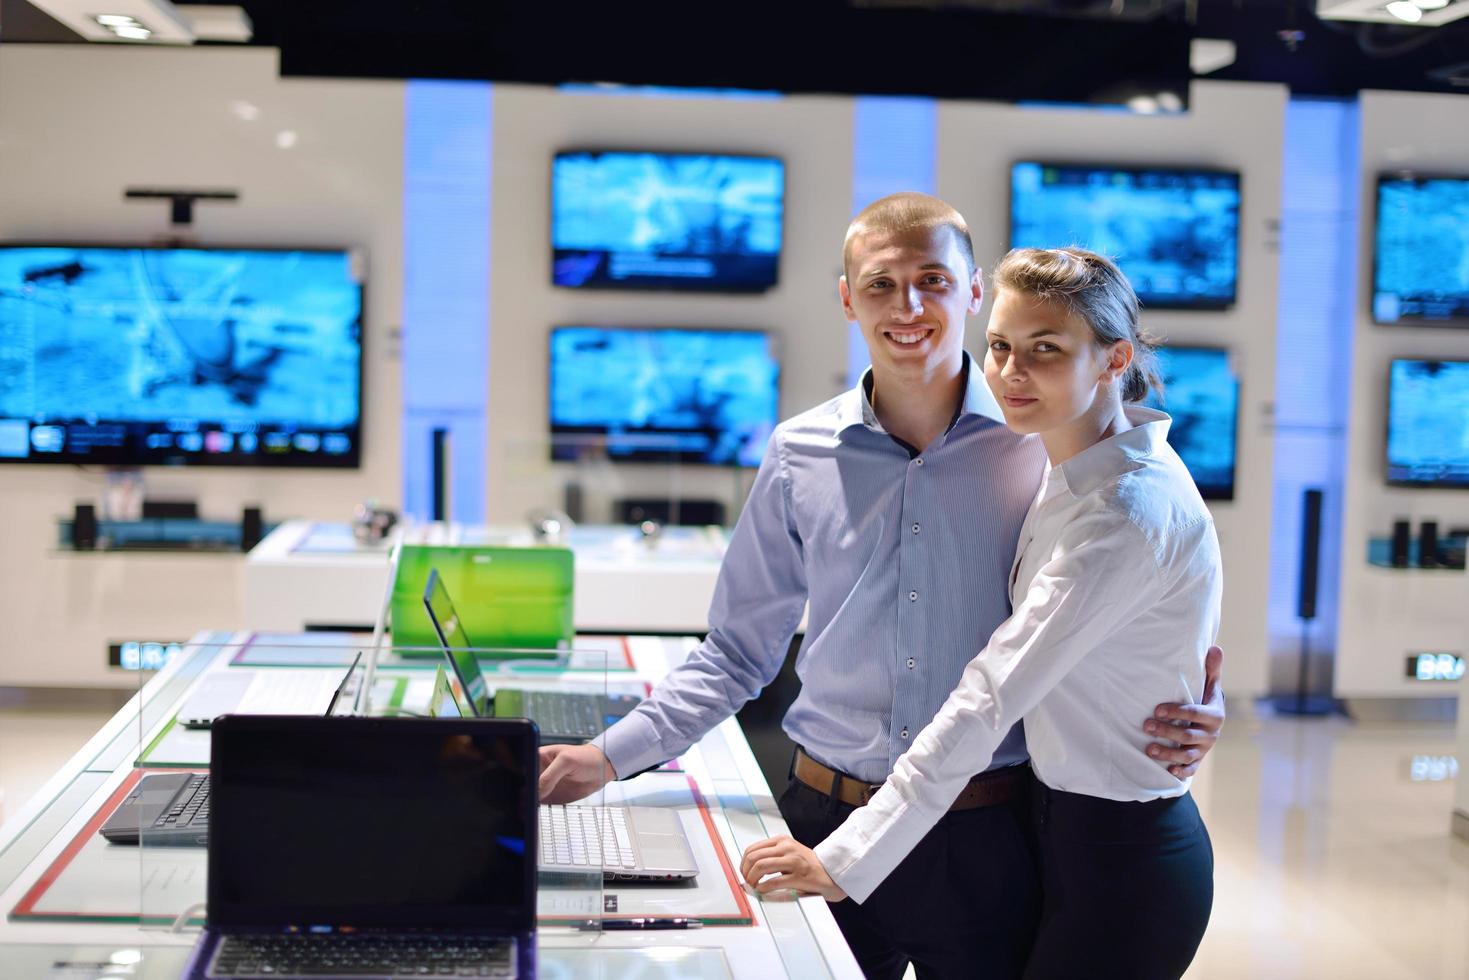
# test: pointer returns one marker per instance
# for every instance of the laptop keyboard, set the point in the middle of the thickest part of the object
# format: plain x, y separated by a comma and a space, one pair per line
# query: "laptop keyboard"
577, 715
189, 806
585, 837
363, 955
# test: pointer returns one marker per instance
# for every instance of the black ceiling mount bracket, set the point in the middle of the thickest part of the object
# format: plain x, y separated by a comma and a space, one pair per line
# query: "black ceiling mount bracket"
182, 202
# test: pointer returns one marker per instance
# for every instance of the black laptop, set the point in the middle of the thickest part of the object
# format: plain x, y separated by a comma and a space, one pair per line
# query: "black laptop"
563, 717
370, 847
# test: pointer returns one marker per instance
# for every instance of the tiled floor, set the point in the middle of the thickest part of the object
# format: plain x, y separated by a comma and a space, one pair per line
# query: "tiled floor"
1333, 857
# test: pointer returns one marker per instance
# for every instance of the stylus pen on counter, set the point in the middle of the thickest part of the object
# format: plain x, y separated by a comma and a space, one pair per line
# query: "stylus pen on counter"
646, 923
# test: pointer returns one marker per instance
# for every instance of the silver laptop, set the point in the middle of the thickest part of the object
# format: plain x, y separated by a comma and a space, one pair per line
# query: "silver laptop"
263, 692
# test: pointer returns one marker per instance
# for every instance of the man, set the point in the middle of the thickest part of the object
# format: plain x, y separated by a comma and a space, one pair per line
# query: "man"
895, 510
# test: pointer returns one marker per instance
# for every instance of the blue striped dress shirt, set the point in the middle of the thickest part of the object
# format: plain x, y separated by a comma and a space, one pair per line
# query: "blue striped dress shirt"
905, 558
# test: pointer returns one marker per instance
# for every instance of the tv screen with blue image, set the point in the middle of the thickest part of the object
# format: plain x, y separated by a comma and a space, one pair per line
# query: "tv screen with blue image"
666, 221
662, 395
1428, 423
1421, 267
136, 356
1201, 393
1174, 233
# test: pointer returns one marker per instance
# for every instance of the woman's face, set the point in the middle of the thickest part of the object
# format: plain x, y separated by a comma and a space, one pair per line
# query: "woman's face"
1044, 364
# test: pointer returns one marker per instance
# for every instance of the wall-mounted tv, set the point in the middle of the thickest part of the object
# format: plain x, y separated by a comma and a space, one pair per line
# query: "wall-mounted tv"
662, 395
1428, 423
624, 220
1174, 232
216, 357
1201, 392
1421, 250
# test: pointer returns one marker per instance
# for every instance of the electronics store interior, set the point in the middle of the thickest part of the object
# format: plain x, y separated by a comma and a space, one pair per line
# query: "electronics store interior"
504, 449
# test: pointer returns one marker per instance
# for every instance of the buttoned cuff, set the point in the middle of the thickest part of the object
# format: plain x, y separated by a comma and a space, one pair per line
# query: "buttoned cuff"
631, 745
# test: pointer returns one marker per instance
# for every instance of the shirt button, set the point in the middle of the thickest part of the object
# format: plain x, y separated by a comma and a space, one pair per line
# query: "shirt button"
912, 596
903, 733
915, 528
911, 662
919, 461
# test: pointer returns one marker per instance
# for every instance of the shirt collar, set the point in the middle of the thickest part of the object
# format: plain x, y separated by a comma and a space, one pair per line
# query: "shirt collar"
855, 405
1115, 455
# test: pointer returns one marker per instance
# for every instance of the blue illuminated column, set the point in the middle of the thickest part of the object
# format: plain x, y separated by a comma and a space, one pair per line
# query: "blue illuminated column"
446, 290
892, 150
1318, 259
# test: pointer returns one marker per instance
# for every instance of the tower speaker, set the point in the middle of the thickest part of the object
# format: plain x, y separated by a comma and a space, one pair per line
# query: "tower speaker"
1310, 555
1428, 544
440, 472
252, 528
84, 527
1400, 532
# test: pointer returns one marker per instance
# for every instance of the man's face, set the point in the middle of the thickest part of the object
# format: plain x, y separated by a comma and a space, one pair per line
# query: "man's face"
1044, 364
910, 292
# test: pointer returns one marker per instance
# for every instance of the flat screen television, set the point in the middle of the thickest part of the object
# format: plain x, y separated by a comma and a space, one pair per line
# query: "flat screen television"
666, 221
1174, 232
216, 357
1421, 250
1428, 423
1201, 392
662, 395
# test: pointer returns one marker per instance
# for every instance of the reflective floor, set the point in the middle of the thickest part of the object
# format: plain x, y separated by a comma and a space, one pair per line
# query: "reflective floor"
1333, 856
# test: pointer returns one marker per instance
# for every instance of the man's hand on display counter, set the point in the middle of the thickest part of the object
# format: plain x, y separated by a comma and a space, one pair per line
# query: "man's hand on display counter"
571, 772
1189, 730
793, 864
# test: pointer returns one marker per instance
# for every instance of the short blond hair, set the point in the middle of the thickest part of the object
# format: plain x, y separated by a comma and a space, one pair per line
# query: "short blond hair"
1092, 287
903, 212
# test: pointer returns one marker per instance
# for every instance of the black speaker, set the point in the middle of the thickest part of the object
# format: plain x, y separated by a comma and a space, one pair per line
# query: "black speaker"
84, 528
252, 528
440, 472
1400, 532
1310, 554
690, 512
571, 501
1428, 544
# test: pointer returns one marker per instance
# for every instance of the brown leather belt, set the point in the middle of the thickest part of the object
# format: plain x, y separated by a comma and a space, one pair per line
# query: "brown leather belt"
986, 789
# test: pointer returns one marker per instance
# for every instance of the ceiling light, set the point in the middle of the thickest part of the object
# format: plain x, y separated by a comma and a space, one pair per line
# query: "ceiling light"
133, 33
285, 139
115, 20
1430, 4
1406, 11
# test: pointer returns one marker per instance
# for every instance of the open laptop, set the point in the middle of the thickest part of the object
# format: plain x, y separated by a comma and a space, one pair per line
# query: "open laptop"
632, 843
370, 847
172, 808
564, 717
252, 692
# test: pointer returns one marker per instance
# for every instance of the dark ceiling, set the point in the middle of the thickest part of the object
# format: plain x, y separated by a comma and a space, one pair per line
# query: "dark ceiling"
1043, 50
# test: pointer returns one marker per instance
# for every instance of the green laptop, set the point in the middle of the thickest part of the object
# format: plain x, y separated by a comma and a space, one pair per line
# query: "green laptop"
515, 598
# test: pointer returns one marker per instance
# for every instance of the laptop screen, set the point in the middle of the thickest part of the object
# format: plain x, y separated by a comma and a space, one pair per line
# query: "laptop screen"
456, 644
373, 822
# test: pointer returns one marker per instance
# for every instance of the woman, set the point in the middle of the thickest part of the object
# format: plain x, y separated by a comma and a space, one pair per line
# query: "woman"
1117, 572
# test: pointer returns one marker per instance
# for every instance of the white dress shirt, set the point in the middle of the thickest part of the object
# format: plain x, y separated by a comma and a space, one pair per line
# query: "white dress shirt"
1116, 589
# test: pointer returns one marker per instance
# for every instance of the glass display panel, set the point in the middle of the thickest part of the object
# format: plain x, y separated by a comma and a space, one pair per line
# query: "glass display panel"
1201, 393
1421, 250
666, 221
215, 357
699, 396
1175, 233
1428, 423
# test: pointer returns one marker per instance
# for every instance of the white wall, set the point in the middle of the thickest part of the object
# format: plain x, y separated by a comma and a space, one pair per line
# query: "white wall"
1229, 125
80, 123
1386, 613
814, 137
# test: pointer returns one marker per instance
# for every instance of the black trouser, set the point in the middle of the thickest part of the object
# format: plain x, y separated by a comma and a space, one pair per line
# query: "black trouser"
962, 904
1127, 886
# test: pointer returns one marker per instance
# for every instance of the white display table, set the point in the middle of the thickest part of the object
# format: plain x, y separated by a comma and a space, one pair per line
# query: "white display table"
61, 888
310, 575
